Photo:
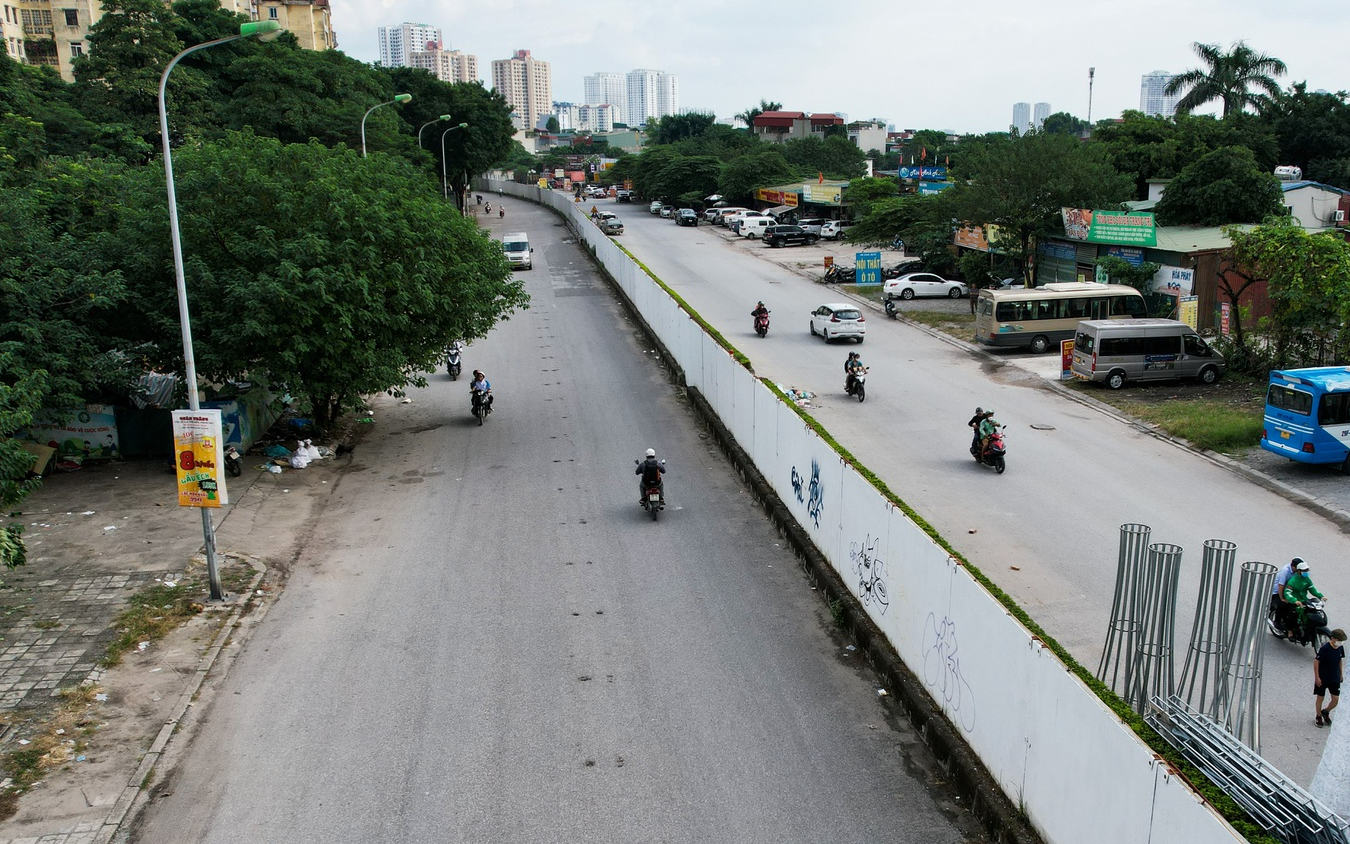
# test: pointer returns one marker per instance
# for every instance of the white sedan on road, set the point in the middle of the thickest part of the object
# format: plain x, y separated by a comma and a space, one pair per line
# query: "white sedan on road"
923, 284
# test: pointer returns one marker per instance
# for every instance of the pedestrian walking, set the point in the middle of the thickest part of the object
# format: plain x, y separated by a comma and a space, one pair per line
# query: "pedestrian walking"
1328, 671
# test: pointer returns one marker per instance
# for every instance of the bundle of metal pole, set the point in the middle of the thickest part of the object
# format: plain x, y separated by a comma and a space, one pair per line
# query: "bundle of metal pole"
1199, 682
1239, 704
1118, 652
1153, 674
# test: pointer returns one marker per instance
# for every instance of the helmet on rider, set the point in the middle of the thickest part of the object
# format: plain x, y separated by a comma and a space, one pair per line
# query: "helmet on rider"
1298, 564
979, 411
651, 452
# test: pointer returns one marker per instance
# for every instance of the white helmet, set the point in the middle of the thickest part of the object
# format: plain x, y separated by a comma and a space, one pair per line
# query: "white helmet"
651, 452
1299, 564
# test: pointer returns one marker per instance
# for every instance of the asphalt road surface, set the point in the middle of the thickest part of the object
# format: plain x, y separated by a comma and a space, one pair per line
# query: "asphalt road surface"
1047, 530
488, 640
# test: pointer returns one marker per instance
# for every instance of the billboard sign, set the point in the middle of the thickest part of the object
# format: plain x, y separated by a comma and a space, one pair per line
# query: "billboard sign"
198, 456
868, 266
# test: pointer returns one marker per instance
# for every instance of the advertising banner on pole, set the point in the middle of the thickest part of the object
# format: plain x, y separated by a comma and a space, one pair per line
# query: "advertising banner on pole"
868, 266
197, 458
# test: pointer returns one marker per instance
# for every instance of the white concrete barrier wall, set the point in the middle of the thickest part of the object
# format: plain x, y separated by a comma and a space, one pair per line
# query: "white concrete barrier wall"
1053, 746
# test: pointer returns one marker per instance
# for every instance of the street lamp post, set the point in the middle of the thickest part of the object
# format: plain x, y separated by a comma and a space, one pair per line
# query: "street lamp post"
399, 98
441, 119
445, 184
263, 31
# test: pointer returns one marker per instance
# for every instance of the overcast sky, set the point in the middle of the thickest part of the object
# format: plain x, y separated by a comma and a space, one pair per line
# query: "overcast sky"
956, 66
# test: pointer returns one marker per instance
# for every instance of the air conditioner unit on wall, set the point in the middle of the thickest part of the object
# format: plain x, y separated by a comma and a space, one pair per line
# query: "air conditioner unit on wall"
1340, 217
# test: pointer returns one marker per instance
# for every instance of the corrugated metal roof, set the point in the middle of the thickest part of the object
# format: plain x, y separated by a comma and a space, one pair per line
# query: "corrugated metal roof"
1288, 186
1194, 238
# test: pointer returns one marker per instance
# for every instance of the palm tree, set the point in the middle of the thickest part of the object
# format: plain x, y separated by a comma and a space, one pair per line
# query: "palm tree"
751, 113
1229, 77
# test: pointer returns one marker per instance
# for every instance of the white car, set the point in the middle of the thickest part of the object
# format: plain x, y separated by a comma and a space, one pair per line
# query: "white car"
812, 225
838, 319
923, 284
835, 229
655, 207
734, 221
667, 211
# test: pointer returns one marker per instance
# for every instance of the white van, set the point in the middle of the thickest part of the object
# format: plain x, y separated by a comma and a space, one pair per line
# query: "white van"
517, 248
1114, 351
753, 227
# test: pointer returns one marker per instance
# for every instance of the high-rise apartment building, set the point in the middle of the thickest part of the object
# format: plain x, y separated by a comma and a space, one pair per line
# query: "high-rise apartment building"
398, 43
55, 32
1152, 99
1038, 115
608, 88
652, 94
526, 84
445, 65
1021, 120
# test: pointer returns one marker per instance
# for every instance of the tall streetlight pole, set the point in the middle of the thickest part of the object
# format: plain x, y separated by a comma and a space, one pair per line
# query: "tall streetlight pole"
263, 31
1092, 71
445, 184
441, 119
400, 98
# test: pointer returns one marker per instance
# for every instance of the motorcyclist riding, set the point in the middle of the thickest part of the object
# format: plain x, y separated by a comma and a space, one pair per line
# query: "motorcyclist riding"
974, 425
759, 311
986, 429
480, 382
1293, 595
651, 471
852, 366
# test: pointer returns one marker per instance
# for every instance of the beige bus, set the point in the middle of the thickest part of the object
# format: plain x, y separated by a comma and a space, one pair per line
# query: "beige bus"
1038, 318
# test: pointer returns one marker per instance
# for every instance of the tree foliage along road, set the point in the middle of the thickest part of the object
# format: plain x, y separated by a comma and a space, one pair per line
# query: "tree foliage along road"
1224, 186
318, 271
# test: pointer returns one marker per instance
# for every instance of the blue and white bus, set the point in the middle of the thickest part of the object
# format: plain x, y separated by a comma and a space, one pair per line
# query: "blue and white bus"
1308, 415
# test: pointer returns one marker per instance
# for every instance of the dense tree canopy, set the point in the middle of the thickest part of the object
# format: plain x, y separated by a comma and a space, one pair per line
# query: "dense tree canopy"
1224, 186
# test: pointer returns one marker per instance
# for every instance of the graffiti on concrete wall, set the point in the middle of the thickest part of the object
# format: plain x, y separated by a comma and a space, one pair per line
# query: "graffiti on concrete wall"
871, 573
814, 495
942, 671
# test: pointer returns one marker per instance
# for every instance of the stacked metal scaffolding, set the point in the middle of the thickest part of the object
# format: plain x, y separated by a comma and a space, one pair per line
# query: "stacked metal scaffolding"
1239, 696
1201, 676
1153, 672
1118, 655
1272, 800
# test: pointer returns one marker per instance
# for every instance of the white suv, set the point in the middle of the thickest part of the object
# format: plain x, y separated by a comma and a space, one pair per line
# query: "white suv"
835, 229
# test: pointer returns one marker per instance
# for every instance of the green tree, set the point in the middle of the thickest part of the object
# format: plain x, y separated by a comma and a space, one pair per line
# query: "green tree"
745, 174
1225, 186
21, 396
1063, 123
1021, 184
678, 127
1228, 77
835, 158
552, 126
1152, 147
862, 193
1313, 131
325, 274
1308, 281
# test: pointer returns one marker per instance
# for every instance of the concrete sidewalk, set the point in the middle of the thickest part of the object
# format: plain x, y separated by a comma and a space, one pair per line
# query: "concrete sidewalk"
97, 537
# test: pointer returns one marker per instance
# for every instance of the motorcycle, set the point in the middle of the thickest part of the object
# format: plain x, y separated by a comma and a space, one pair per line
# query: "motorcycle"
891, 310
480, 405
839, 275
452, 361
653, 499
1310, 630
762, 323
234, 461
857, 386
993, 453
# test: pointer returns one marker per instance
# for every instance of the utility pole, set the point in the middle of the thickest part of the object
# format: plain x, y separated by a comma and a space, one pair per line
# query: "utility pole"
1092, 71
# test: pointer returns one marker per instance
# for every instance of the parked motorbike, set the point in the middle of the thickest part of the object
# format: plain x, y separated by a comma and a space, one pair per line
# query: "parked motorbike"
653, 499
452, 361
1312, 629
762, 324
234, 461
857, 385
891, 309
993, 453
480, 405
839, 275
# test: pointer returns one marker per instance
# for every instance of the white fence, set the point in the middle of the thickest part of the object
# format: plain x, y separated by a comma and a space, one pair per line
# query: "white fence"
1058, 752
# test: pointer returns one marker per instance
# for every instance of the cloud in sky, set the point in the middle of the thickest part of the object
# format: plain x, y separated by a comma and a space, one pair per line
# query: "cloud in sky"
954, 66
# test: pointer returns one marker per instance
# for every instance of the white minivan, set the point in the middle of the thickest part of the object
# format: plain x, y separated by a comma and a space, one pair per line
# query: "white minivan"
1116, 351
753, 227
517, 248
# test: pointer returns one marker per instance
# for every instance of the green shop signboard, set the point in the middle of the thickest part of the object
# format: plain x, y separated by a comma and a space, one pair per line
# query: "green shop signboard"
1113, 227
